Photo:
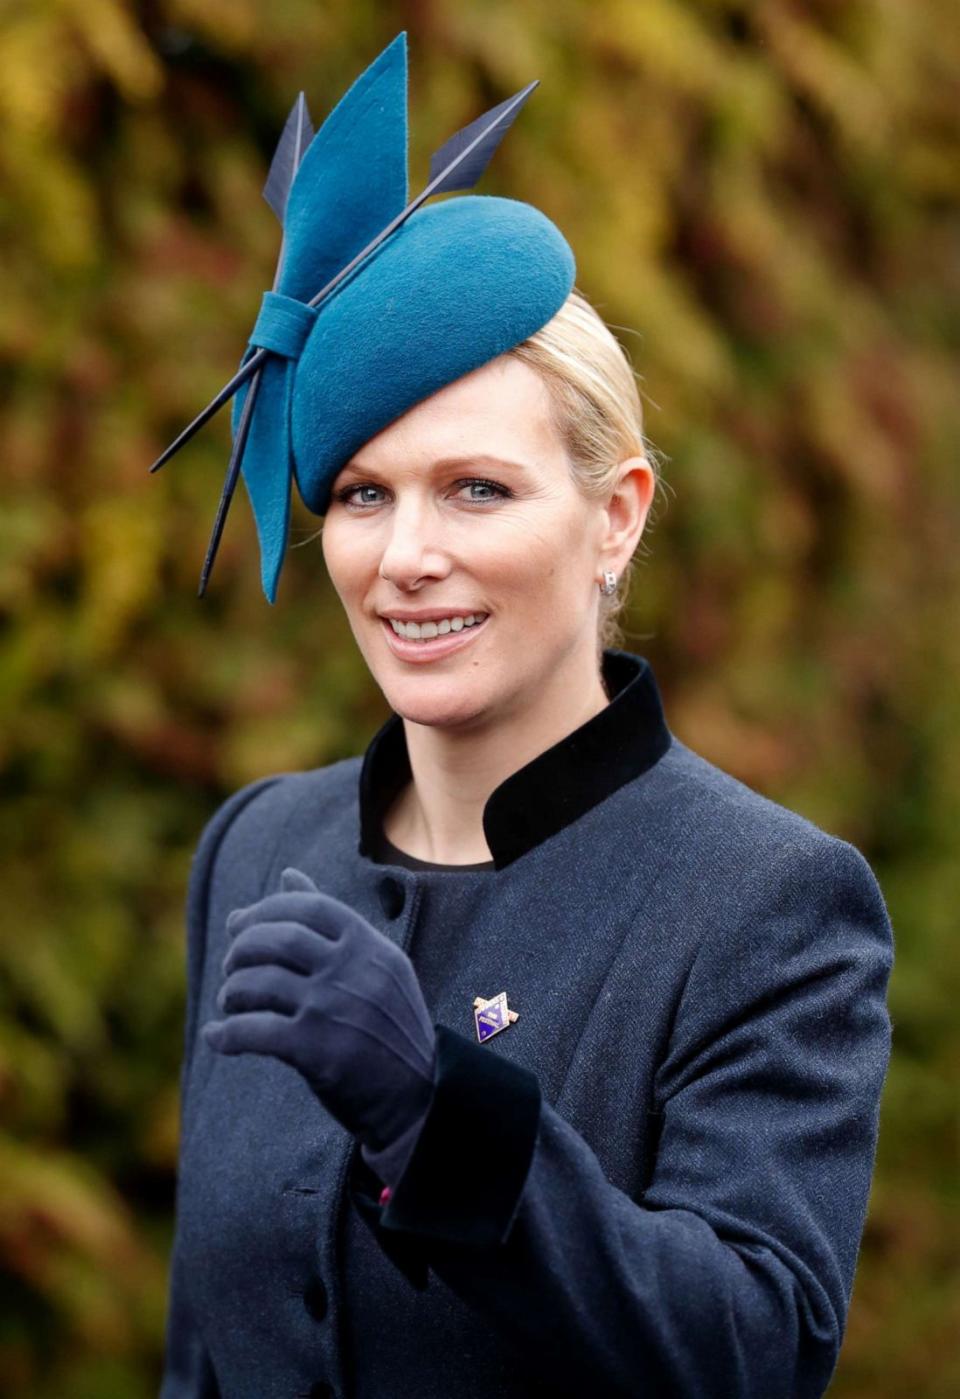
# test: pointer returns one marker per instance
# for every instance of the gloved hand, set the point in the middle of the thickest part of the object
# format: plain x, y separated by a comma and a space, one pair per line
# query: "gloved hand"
309, 980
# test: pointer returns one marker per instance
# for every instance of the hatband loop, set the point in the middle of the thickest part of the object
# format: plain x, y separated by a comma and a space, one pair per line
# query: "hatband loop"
283, 324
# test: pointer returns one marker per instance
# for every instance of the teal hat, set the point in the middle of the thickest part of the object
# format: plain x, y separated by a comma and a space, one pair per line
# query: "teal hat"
446, 289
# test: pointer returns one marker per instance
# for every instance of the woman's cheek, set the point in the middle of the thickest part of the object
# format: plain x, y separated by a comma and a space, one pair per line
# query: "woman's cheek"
348, 559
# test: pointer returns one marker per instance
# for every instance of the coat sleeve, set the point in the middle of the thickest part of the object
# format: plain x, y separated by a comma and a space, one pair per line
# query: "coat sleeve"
730, 1276
187, 1369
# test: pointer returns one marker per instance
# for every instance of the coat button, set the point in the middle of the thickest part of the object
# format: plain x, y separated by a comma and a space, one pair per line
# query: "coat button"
315, 1298
392, 896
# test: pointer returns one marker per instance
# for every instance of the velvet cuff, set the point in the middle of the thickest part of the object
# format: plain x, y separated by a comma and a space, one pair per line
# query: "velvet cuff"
465, 1175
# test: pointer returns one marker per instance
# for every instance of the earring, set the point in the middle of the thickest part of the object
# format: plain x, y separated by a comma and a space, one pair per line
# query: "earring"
609, 584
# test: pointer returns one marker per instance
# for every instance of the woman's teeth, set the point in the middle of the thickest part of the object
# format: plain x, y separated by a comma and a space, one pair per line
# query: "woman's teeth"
423, 631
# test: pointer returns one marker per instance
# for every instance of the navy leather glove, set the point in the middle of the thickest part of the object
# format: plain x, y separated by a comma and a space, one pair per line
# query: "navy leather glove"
312, 982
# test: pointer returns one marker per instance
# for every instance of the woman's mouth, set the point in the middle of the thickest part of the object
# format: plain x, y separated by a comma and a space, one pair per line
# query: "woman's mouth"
433, 643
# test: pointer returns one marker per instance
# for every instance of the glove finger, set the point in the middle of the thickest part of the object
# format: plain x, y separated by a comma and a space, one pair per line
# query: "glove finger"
256, 1032
291, 945
262, 988
319, 911
292, 878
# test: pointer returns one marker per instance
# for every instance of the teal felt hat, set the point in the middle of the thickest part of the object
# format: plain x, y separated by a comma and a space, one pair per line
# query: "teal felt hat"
410, 299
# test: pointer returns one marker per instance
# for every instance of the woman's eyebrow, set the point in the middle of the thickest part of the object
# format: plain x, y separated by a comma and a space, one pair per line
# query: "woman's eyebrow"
483, 459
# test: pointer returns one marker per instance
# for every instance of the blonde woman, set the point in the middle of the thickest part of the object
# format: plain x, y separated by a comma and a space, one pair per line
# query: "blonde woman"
527, 1052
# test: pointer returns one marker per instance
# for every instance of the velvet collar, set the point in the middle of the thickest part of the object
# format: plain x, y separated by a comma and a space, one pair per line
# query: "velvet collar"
557, 786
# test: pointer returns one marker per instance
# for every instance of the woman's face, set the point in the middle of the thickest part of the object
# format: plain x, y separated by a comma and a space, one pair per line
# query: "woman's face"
465, 506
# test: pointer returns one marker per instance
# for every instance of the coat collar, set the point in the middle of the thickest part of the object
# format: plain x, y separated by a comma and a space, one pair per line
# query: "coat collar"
557, 786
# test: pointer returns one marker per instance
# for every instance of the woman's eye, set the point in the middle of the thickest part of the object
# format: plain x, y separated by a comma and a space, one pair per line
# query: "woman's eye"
349, 494
486, 485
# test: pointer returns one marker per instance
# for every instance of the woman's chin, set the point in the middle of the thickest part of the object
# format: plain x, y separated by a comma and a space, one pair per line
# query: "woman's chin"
433, 700
434, 682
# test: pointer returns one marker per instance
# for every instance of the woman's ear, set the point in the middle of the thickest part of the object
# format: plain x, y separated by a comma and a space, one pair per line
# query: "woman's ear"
627, 511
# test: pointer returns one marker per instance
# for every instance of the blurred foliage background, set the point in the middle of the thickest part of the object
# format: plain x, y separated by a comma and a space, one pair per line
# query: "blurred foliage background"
764, 200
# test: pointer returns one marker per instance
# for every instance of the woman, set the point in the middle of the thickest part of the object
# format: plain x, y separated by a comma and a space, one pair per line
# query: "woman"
529, 1052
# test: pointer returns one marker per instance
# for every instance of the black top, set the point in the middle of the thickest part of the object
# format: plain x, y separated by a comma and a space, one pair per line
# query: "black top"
386, 853
548, 793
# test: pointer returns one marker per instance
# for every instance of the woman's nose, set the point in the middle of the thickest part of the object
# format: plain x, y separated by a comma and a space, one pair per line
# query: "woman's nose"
413, 548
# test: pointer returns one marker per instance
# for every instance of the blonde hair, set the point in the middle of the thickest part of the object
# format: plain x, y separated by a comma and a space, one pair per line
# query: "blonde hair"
598, 414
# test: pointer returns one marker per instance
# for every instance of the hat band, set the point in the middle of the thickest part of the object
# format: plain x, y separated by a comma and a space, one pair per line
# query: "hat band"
283, 324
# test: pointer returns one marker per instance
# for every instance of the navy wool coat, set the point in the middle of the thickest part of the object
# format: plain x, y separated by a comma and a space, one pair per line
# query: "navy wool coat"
652, 1183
